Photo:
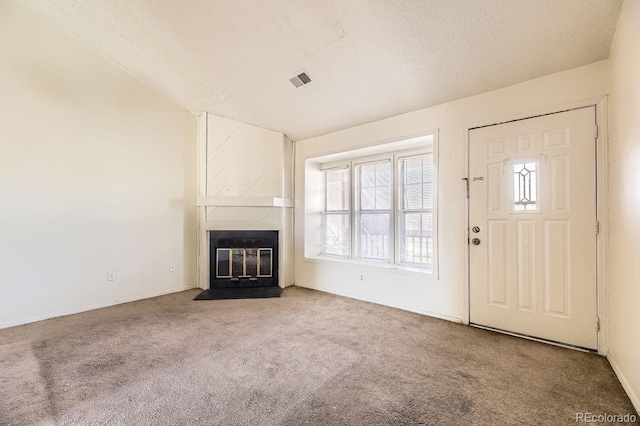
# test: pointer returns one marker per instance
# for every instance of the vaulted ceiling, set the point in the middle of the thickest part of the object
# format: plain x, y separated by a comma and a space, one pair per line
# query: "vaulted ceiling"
369, 59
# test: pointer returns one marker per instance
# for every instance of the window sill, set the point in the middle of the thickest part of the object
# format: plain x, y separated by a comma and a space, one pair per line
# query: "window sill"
412, 270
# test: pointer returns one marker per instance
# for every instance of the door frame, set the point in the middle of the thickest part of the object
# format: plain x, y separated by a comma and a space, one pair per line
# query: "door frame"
602, 173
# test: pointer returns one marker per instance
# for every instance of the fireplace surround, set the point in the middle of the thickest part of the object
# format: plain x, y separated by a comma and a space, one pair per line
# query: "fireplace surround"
245, 183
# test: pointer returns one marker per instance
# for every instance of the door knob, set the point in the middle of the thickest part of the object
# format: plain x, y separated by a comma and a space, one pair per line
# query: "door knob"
475, 241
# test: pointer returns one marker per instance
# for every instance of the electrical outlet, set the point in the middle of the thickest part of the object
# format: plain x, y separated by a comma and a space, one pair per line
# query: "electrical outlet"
172, 267
362, 277
111, 276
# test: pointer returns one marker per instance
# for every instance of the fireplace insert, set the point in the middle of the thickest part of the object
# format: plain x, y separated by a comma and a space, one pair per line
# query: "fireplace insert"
243, 259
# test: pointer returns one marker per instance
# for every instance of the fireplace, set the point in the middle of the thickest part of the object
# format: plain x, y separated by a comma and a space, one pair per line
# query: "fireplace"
242, 264
243, 259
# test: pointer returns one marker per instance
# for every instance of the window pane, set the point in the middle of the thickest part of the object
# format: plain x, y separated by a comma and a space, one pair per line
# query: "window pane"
413, 196
383, 174
337, 186
416, 228
373, 236
374, 186
416, 238
418, 250
427, 168
336, 220
383, 198
337, 234
427, 195
417, 182
368, 198
367, 175
412, 224
413, 171
427, 223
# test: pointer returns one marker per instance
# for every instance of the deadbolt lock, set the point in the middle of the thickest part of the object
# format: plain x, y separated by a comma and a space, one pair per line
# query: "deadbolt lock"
475, 241
476, 229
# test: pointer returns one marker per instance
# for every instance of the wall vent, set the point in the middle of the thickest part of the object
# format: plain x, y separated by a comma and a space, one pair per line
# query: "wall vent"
300, 79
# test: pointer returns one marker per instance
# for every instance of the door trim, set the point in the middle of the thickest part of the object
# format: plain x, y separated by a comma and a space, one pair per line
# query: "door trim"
602, 183
602, 142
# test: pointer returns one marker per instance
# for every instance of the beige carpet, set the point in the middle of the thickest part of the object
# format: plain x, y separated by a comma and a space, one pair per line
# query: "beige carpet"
306, 358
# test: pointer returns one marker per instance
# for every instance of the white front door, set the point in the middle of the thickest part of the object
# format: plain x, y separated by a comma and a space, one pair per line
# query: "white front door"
532, 219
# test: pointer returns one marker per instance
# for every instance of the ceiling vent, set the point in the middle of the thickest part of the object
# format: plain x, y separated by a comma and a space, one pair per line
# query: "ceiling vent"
301, 79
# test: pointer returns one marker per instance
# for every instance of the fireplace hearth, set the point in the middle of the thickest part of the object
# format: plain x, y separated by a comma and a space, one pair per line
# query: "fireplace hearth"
242, 264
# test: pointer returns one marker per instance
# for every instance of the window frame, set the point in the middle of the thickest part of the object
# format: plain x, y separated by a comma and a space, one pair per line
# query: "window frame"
400, 210
396, 255
357, 211
347, 212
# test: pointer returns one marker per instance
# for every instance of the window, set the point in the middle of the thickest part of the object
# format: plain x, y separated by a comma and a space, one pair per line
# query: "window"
381, 208
525, 187
373, 210
336, 211
416, 209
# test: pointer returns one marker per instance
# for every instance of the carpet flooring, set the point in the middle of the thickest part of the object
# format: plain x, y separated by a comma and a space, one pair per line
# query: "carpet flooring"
307, 358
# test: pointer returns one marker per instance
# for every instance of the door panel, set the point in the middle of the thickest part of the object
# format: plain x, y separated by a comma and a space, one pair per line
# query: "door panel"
533, 197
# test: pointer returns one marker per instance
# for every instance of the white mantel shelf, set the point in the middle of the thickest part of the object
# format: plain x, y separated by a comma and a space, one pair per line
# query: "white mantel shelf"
245, 202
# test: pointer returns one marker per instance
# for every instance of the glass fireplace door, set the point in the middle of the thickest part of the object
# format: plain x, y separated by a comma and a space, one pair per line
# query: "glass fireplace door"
244, 263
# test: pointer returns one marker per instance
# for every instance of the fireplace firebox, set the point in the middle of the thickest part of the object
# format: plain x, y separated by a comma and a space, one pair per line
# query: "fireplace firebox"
243, 259
242, 264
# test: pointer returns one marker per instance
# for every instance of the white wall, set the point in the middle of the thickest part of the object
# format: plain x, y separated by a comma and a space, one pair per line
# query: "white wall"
444, 297
624, 202
97, 174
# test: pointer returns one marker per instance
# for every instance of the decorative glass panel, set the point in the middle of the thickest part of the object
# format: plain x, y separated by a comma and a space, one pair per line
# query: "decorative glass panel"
525, 183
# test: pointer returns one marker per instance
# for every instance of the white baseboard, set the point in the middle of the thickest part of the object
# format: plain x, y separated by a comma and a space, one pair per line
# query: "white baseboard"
90, 308
625, 384
384, 303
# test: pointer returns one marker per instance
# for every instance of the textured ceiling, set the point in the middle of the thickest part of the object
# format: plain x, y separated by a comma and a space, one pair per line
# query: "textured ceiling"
369, 59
